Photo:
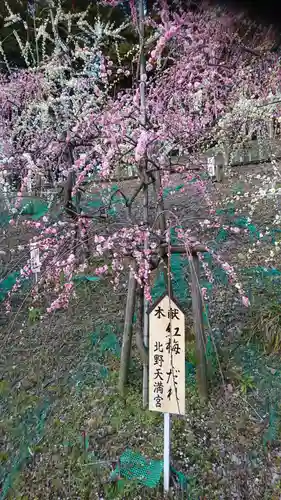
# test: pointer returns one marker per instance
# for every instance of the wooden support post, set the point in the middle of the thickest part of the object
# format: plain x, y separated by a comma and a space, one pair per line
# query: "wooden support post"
127, 334
197, 310
162, 225
143, 350
160, 202
219, 168
38, 185
226, 155
271, 129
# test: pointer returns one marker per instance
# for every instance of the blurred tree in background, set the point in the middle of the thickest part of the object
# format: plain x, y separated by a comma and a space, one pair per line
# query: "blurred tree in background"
21, 19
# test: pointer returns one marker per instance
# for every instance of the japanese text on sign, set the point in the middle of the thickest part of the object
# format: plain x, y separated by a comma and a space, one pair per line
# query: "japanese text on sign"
166, 358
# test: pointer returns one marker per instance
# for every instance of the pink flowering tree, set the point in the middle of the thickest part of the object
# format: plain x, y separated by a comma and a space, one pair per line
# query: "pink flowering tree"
196, 69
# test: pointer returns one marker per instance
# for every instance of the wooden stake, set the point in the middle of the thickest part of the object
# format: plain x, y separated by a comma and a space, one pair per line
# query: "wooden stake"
160, 202
38, 185
161, 223
219, 168
143, 351
127, 334
197, 309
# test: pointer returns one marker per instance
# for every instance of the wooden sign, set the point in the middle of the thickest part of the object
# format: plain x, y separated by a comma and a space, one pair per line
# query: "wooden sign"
29, 181
211, 164
34, 258
167, 357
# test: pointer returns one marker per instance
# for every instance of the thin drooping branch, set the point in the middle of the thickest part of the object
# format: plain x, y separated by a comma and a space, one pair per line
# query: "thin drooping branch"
128, 201
252, 51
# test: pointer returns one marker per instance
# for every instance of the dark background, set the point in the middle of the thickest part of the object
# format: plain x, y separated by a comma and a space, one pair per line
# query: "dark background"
263, 11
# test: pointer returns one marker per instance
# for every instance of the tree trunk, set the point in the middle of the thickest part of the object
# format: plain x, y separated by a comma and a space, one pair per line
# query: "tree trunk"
145, 308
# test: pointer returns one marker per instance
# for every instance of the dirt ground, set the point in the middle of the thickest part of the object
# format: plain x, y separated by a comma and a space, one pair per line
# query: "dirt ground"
63, 426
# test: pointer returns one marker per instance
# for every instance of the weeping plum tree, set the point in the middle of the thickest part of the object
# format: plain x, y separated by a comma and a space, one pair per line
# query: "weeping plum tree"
196, 84
203, 77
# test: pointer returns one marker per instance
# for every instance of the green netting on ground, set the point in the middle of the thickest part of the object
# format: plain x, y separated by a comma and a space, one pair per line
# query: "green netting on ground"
133, 466
35, 208
174, 189
167, 191
261, 284
27, 428
27, 432
218, 274
4, 219
238, 188
259, 280
179, 265
101, 199
243, 222
265, 391
7, 284
105, 343
82, 277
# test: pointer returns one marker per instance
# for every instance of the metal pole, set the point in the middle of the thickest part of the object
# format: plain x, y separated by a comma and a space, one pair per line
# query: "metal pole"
166, 452
142, 84
142, 87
